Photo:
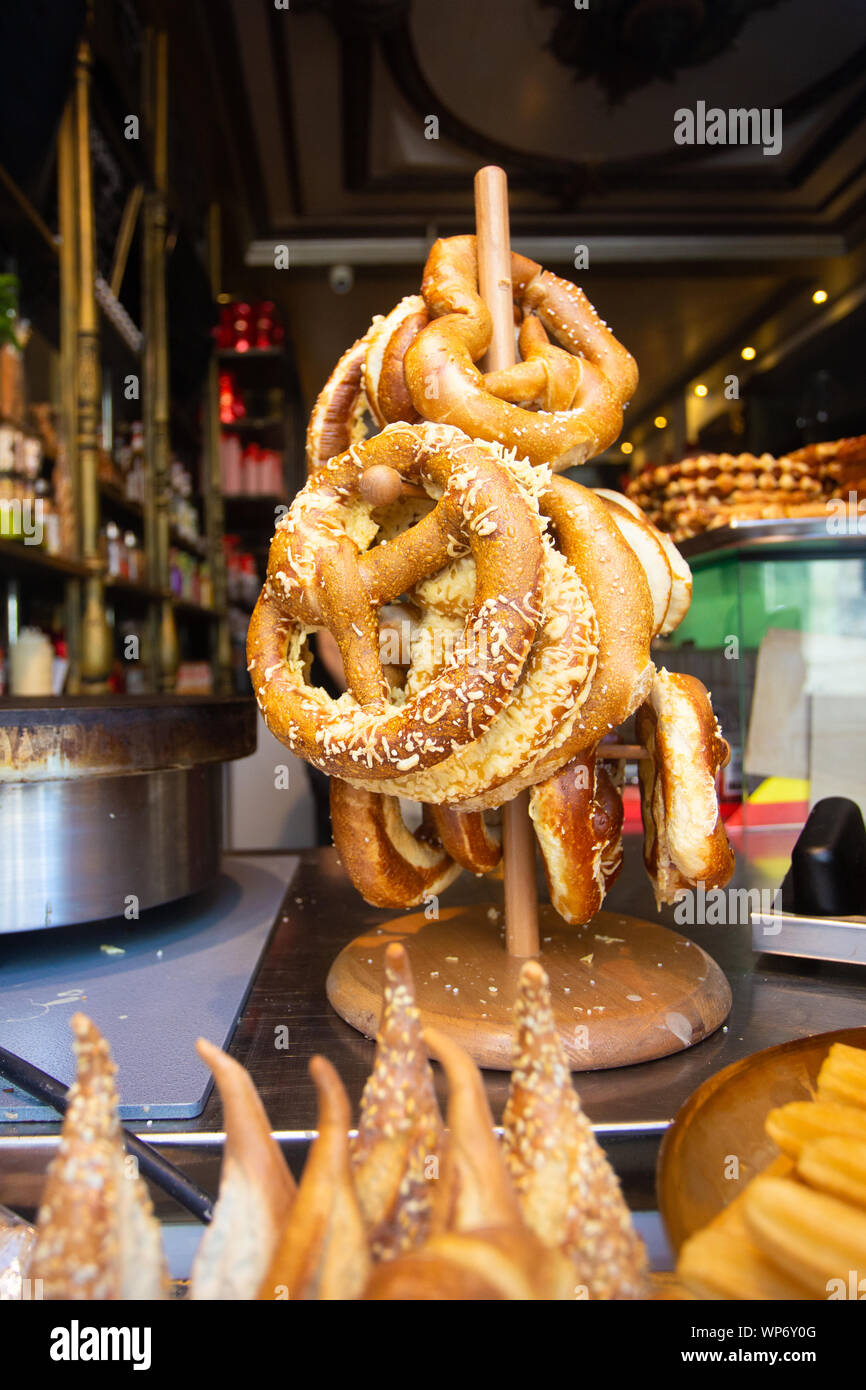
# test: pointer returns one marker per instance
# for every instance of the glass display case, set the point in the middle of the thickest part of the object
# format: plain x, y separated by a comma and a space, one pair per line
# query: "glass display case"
777, 631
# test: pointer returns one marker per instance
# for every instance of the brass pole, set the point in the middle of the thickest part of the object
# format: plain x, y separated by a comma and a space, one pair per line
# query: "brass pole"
212, 482
97, 644
125, 234
66, 204
156, 382
68, 259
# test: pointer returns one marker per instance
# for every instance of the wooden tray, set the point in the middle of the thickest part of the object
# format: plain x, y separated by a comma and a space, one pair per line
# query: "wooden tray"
725, 1117
624, 990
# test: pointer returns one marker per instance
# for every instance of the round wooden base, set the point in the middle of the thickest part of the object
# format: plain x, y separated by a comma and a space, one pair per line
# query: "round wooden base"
623, 990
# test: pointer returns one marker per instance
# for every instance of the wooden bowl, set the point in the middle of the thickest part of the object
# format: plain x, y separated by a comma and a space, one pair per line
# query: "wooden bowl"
724, 1119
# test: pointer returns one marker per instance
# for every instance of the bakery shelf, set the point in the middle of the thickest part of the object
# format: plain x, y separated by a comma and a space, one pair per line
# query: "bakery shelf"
800, 532
132, 588
185, 608
253, 424
17, 558
182, 542
120, 504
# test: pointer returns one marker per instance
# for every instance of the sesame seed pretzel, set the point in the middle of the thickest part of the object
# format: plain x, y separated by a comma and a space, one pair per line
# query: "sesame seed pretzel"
318, 575
559, 406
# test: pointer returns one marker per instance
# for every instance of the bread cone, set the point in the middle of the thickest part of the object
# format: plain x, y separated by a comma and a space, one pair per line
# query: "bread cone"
323, 1251
474, 1190
256, 1191
568, 1193
481, 1249
400, 1128
96, 1235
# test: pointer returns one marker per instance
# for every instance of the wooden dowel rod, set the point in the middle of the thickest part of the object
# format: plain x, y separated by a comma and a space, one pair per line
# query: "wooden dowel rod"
494, 282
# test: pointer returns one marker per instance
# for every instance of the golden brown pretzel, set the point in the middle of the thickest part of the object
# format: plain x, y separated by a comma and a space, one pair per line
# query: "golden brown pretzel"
318, 576
545, 705
384, 379
389, 866
684, 836
466, 837
674, 586
616, 583
337, 418
581, 385
577, 814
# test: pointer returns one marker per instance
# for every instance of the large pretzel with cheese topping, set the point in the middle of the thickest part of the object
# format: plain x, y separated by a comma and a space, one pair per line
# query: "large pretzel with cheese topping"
318, 575
617, 585
561, 404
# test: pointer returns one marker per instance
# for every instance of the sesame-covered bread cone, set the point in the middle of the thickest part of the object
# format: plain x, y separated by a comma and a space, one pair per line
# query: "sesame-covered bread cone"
400, 1129
568, 1193
481, 1248
96, 1235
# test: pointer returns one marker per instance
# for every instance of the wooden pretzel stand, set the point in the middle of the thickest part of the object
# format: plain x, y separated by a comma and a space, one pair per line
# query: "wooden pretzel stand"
623, 990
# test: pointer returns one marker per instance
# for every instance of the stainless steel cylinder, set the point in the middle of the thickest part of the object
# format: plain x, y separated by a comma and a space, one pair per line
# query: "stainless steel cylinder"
85, 848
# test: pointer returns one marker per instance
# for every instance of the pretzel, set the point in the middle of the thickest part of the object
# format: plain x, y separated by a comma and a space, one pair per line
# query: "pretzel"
579, 387
544, 708
336, 422
387, 341
389, 866
465, 835
684, 836
319, 576
643, 540
616, 582
577, 815
368, 377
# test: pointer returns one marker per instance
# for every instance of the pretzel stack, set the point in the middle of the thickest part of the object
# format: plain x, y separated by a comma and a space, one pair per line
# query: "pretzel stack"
710, 490
522, 605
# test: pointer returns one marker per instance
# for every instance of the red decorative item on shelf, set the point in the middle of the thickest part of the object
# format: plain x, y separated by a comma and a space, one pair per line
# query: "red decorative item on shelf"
231, 403
242, 327
224, 331
264, 318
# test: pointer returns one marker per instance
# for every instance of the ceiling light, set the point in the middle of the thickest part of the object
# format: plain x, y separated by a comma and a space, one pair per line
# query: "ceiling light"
661, 422
747, 354
626, 448
819, 297
701, 389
